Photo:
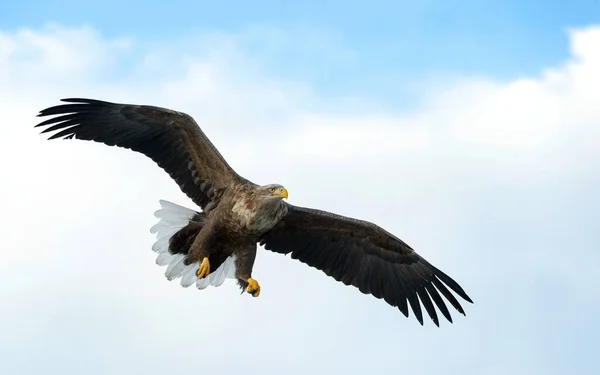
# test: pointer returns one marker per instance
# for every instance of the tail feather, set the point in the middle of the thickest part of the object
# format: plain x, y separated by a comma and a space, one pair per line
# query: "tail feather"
176, 267
164, 259
172, 218
189, 276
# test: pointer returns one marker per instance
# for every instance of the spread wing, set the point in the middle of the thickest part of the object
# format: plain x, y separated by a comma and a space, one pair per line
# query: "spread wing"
363, 255
172, 139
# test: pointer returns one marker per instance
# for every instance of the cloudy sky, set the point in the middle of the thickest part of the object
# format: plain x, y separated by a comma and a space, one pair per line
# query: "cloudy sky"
470, 130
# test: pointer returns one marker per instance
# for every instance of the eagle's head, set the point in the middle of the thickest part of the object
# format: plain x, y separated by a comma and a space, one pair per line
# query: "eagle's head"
273, 191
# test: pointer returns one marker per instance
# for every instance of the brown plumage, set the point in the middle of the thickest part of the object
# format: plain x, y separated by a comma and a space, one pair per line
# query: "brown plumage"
205, 247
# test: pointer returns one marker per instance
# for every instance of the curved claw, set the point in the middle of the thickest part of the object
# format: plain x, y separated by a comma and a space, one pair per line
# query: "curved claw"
253, 287
204, 269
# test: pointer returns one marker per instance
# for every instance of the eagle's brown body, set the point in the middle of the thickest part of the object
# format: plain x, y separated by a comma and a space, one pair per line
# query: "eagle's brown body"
220, 241
237, 222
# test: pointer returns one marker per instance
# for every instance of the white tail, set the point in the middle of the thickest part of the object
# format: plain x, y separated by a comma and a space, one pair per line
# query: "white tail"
173, 217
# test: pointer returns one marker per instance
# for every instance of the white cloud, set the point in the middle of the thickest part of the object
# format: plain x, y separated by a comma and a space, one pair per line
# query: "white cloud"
493, 182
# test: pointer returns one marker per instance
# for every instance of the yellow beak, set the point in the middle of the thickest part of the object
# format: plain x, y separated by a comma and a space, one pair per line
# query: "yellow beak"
282, 192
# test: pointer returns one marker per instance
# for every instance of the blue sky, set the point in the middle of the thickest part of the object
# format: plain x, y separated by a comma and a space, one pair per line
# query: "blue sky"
393, 43
469, 129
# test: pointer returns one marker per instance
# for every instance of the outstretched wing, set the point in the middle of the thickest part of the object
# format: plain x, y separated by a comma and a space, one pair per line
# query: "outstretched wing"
362, 254
172, 139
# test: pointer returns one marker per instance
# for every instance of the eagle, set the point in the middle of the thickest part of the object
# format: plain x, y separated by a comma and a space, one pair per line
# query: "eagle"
236, 216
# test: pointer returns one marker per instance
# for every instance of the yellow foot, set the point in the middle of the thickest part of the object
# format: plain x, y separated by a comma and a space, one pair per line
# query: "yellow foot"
204, 269
253, 287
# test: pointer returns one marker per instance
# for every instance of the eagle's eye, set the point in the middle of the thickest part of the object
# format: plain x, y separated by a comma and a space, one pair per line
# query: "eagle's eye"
272, 190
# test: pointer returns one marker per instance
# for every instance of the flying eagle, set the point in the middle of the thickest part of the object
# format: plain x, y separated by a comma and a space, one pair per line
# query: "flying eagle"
220, 241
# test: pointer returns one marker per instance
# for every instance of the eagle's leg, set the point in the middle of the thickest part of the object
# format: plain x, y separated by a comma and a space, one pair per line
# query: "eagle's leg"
204, 269
243, 270
199, 249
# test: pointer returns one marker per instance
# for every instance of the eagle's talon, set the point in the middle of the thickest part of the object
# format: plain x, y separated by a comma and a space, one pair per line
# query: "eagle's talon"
253, 287
204, 269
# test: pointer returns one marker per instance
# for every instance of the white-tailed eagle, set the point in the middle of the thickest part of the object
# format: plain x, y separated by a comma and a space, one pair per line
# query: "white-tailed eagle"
220, 240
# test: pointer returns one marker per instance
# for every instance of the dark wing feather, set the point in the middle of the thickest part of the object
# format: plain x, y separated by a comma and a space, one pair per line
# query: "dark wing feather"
363, 255
172, 139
